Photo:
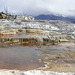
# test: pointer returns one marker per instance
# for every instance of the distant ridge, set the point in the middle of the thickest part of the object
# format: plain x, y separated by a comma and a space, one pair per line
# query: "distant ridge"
54, 17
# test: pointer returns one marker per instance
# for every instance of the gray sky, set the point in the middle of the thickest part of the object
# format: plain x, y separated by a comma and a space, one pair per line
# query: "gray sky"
36, 7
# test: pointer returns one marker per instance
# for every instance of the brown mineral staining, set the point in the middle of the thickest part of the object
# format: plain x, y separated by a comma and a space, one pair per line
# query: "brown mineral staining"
68, 47
34, 30
60, 56
62, 61
20, 31
65, 67
7, 32
18, 41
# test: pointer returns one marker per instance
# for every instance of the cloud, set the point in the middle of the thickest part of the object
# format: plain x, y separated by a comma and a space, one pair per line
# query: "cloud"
36, 7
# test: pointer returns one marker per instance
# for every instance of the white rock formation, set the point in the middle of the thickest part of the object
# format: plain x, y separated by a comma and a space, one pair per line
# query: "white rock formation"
32, 72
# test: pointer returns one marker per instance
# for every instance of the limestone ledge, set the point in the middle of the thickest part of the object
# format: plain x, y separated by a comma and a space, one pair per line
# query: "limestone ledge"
20, 31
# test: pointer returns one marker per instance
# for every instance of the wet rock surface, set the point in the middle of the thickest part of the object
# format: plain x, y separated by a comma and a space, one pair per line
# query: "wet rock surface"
54, 39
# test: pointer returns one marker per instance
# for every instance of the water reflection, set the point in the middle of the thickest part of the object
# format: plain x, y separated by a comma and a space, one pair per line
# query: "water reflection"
19, 57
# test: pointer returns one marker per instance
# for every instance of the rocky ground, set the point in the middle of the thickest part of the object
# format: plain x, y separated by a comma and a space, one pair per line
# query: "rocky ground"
51, 28
45, 31
55, 26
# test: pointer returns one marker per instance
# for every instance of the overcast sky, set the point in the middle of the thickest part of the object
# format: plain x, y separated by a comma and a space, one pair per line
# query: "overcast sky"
36, 7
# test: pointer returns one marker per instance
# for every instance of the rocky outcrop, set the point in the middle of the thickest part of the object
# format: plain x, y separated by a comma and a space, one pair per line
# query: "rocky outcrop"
2, 15
16, 27
33, 40
18, 17
23, 17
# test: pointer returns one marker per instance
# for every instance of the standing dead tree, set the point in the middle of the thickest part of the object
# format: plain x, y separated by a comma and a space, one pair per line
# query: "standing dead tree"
6, 11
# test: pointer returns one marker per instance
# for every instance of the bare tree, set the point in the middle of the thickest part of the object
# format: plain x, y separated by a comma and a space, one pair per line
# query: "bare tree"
6, 11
